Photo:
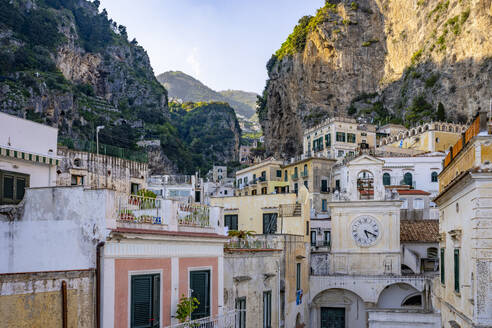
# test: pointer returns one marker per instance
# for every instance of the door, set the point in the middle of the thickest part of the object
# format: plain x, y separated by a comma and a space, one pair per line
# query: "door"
145, 300
200, 286
332, 317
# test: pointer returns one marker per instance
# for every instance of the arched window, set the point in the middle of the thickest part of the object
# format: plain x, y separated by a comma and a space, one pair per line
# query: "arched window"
413, 300
386, 179
408, 179
418, 204
434, 176
365, 185
305, 170
285, 175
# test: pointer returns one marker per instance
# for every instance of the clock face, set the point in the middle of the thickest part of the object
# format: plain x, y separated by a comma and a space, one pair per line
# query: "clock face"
365, 230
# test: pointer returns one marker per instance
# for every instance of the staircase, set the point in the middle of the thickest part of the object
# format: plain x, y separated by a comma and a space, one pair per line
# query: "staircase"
297, 210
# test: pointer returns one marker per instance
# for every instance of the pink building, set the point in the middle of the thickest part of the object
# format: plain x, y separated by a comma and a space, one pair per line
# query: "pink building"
156, 252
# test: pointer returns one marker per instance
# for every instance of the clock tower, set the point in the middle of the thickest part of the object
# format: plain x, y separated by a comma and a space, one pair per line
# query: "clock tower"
365, 221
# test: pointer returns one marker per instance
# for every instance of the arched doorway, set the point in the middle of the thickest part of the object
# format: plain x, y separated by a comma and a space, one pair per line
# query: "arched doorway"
338, 308
365, 185
399, 295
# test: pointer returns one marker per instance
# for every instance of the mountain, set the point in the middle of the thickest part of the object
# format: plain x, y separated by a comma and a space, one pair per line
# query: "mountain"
392, 61
65, 64
184, 87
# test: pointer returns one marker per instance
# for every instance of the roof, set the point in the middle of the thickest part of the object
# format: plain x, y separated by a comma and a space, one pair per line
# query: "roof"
169, 233
424, 231
412, 192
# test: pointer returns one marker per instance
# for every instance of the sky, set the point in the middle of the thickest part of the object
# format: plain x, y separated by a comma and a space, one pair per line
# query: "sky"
223, 43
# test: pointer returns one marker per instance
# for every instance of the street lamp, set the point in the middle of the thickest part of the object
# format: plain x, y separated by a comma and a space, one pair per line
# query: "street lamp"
100, 127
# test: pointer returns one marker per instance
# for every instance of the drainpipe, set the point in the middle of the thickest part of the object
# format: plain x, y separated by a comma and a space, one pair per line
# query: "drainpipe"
278, 274
98, 283
64, 304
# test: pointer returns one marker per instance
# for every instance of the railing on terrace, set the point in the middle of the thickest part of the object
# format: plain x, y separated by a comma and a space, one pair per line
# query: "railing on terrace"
294, 177
230, 319
304, 174
251, 242
194, 215
139, 209
286, 210
321, 243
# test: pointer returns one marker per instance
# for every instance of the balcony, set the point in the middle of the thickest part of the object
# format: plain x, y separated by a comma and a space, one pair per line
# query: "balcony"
251, 243
321, 243
195, 215
138, 209
304, 174
294, 177
229, 319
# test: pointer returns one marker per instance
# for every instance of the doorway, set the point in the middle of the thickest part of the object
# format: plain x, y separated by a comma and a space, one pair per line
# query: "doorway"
332, 317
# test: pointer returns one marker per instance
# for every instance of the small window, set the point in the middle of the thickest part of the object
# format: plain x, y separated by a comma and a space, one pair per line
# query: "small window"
241, 316
324, 206
200, 286
457, 270
351, 137
306, 184
408, 179
134, 188
145, 300
285, 175
324, 185
443, 272
418, 204
313, 238
279, 173
12, 187
77, 180
77, 162
225, 192
340, 136
337, 185
307, 228
230, 221
264, 190
434, 176
267, 309
328, 140
386, 179
327, 238
341, 153
269, 223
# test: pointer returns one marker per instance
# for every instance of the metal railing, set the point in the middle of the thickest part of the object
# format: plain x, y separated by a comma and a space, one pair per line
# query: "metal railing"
289, 210
228, 319
251, 242
304, 174
194, 215
294, 177
321, 243
139, 209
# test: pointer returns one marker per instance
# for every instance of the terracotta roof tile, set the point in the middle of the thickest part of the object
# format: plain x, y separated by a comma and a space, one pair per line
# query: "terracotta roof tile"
412, 192
426, 231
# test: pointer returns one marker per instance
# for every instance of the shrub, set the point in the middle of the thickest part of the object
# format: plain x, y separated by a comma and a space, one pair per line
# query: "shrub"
354, 6
186, 306
416, 56
431, 80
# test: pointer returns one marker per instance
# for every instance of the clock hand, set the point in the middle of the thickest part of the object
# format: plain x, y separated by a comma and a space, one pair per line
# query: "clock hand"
365, 231
371, 233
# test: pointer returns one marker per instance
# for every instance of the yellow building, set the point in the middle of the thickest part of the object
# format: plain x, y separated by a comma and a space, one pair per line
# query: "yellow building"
261, 179
338, 137
464, 291
430, 137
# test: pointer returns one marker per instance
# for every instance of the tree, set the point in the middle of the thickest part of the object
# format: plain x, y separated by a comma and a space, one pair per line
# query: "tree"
440, 114
122, 30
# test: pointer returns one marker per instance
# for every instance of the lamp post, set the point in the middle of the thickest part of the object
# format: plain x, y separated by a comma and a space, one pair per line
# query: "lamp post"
99, 128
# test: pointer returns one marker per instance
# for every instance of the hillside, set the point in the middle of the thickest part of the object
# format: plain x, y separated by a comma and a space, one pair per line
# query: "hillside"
394, 61
184, 87
66, 64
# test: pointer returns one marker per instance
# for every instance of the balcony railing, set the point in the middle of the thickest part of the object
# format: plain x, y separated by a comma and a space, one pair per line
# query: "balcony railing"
139, 209
304, 174
194, 215
321, 243
229, 319
251, 242
294, 177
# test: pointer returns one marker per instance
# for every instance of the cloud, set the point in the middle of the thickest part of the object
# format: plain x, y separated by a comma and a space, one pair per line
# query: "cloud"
194, 63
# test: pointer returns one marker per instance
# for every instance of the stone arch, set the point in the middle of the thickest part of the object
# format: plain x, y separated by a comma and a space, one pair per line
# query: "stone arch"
426, 127
443, 127
393, 296
353, 305
384, 141
413, 132
401, 135
407, 134
419, 129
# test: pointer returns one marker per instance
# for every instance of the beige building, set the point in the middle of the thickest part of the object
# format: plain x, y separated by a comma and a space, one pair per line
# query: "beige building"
429, 137
261, 179
280, 222
79, 168
464, 292
338, 137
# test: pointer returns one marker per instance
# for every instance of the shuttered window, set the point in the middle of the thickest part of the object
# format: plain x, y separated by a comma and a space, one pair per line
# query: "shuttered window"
241, 317
457, 270
200, 288
267, 309
298, 276
230, 221
12, 187
145, 300
443, 280
269, 223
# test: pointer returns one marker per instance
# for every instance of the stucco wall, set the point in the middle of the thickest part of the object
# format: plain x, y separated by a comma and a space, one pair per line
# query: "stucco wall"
404, 318
40, 175
35, 299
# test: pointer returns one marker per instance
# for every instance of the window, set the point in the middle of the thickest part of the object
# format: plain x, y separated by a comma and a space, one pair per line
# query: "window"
307, 228
341, 153
418, 204
318, 144
220, 177
407, 179
328, 140
351, 153
264, 190
285, 175
443, 280
267, 309
134, 187
239, 182
351, 137
305, 170
434, 176
295, 172
415, 300
340, 136
298, 276
324, 185
306, 184
245, 180
337, 185
324, 205
230, 221
241, 317
327, 238
279, 173
225, 192
145, 299
269, 223
313, 238
77, 180
263, 175
12, 187
457, 270
254, 192
254, 178
363, 134
296, 187
386, 179
200, 286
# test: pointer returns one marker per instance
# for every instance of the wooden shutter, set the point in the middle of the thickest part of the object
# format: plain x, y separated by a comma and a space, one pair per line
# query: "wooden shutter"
200, 285
457, 270
267, 309
298, 276
443, 280
141, 301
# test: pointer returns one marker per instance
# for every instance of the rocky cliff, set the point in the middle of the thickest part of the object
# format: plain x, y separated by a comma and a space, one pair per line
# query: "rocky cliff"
393, 61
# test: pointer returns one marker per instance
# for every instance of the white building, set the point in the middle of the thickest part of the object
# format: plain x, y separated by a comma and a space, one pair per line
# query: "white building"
28, 157
185, 188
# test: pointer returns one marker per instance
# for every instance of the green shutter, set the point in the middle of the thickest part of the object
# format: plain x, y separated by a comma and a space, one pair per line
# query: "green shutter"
457, 270
200, 286
443, 280
298, 276
141, 301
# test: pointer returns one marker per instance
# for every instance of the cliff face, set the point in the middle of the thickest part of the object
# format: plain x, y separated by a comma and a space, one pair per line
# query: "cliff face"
391, 60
